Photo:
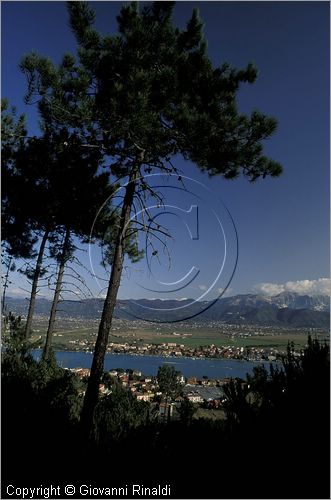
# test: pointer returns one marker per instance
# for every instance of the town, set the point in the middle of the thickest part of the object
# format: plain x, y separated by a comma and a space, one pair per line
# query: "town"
172, 349
204, 394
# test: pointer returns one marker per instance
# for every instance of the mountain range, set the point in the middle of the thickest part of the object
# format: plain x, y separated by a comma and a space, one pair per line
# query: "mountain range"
286, 309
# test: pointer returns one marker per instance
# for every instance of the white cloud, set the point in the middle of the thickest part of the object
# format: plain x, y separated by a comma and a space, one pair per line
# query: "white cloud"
269, 288
227, 292
202, 287
321, 286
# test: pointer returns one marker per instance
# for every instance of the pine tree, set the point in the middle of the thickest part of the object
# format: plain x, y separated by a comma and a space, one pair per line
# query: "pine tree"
18, 238
75, 192
168, 380
32, 200
150, 92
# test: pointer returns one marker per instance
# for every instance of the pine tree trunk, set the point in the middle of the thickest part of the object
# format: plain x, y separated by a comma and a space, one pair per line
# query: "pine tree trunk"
165, 415
92, 391
35, 284
5, 285
51, 323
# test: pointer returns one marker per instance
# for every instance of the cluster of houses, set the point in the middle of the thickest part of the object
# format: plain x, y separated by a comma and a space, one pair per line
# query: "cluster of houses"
207, 351
180, 350
205, 391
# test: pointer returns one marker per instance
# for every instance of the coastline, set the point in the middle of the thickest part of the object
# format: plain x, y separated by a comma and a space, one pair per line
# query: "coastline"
212, 368
202, 358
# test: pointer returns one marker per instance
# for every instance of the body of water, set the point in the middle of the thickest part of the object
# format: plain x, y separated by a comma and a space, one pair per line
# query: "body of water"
148, 365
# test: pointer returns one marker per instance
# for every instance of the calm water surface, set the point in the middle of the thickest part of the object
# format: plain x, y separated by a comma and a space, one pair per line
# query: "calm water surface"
189, 367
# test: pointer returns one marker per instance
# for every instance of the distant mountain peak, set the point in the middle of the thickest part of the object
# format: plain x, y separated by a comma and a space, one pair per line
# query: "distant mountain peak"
285, 309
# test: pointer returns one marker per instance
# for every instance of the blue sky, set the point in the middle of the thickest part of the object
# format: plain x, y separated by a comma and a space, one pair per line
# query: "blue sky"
282, 224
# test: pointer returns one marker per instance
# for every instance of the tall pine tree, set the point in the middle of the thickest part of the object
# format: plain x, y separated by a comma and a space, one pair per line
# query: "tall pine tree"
150, 92
18, 238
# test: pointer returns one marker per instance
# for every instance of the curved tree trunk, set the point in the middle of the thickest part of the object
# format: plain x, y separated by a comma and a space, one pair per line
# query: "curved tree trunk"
51, 323
36, 277
92, 392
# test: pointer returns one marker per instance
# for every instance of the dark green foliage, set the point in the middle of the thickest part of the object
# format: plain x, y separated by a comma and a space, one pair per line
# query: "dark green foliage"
292, 393
109, 380
298, 379
168, 380
288, 406
40, 406
118, 414
186, 411
159, 88
282, 443
17, 237
153, 87
45, 380
62, 183
16, 347
13, 131
237, 406
8, 266
64, 395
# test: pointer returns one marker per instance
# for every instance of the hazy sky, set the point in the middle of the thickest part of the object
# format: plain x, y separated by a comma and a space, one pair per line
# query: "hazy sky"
282, 224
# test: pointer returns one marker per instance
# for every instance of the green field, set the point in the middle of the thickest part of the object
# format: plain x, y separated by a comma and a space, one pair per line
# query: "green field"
68, 331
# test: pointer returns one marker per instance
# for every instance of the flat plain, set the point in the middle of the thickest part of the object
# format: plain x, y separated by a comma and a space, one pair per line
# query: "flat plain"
70, 330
